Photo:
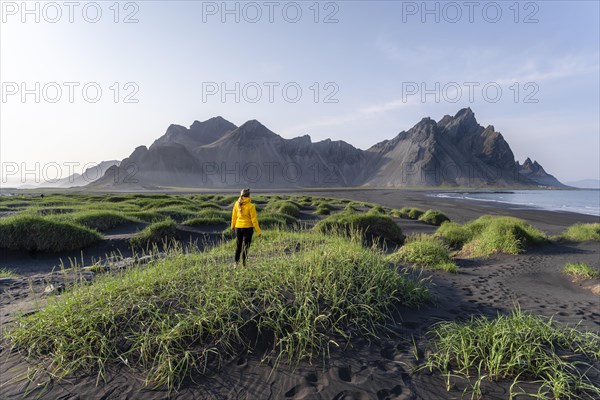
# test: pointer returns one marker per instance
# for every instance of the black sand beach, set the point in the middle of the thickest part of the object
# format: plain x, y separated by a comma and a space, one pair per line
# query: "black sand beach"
379, 369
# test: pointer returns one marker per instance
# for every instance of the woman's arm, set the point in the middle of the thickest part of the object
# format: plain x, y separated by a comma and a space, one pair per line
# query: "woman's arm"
234, 215
254, 220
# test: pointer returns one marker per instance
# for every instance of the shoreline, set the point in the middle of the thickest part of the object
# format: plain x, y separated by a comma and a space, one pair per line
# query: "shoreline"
409, 193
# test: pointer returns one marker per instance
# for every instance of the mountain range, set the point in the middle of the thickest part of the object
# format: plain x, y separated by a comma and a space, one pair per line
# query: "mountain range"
453, 152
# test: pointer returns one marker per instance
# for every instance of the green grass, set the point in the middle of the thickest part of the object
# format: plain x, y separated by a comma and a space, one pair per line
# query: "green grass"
323, 209
209, 204
433, 217
520, 347
454, 234
214, 213
156, 203
284, 207
581, 271
58, 210
202, 221
177, 213
226, 200
581, 233
377, 210
507, 235
269, 221
350, 208
96, 219
147, 216
372, 226
188, 313
156, 233
36, 233
396, 213
411, 212
7, 273
425, 251
488, 235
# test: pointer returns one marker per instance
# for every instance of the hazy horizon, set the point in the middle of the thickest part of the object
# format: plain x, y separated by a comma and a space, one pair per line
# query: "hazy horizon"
354, 71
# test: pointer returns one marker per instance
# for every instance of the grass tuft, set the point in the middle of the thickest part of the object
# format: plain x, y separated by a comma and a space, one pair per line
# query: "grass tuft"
426, 251
581, 271
156, 233
488, 235
521, 347
411, 212
7, 273
35, 233
581, 233
285, 207
454, 234
96, 219
373, 226
203, 221
434, 217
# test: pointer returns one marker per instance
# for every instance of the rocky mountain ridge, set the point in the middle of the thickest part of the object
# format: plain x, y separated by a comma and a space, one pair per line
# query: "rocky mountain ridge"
453, 152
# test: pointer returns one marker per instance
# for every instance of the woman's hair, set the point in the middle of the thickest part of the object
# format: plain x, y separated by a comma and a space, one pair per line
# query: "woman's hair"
243, 193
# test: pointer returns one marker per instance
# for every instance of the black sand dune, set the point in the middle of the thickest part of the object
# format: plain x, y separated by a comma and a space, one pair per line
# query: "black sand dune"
380, 369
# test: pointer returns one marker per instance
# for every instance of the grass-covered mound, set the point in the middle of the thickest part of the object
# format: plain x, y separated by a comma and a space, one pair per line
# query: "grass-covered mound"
209, 217
203, 221
377, 210
350, 208
147, 216
99, 220
581, 271
205, 205
323, 211
304, 293
323, 208
454, 234
284, 207
173, 201
425, 251
433, 217
269, 220
520, 347
177, 213
396, 213
36, 233
411, 212
58, 210
157, 233
581, 233
488, 235
373, 226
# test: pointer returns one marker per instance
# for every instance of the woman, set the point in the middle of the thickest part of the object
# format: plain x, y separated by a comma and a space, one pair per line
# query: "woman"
244, 222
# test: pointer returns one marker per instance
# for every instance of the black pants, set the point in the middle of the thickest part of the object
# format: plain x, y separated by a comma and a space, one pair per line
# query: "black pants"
243, 239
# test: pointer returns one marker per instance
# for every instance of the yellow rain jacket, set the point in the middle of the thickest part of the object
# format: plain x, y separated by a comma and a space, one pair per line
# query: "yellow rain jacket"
247, 217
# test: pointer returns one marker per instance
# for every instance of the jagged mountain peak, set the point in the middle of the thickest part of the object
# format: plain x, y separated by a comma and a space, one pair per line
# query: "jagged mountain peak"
455, 151
465, 113
253, 129
210, 123
533, 171
198, 134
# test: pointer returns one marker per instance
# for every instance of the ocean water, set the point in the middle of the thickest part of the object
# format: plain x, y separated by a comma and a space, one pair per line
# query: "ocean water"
577, 201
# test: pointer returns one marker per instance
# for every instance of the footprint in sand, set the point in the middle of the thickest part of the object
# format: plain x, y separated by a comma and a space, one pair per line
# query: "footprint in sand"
314, 384
391, 394
359, 377
301, 391
351, 395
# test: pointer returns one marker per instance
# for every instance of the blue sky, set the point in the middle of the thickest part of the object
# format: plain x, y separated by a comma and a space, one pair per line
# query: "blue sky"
384, 64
